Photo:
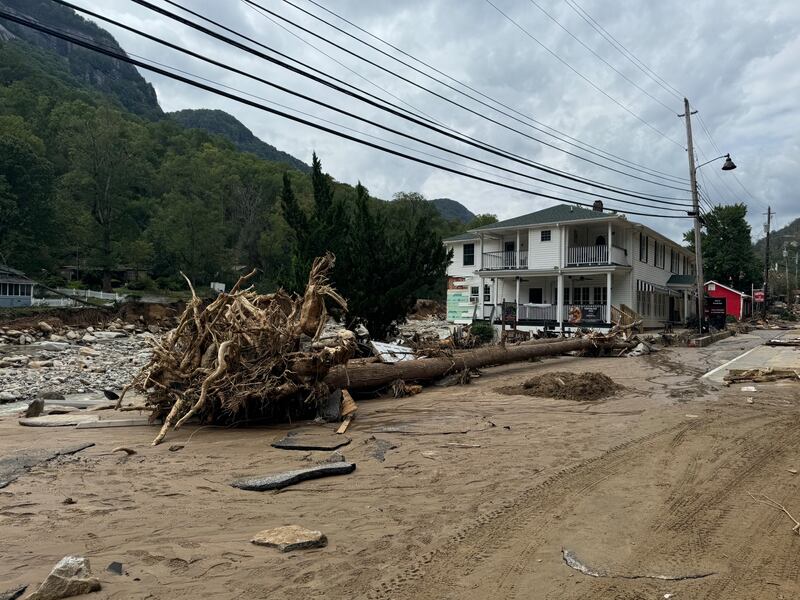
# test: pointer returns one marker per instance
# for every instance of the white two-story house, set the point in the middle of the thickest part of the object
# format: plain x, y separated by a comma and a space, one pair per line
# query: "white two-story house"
566, 266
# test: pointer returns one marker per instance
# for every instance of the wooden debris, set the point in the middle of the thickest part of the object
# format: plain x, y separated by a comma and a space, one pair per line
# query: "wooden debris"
760, 375
345, 424
127, 451
764, 499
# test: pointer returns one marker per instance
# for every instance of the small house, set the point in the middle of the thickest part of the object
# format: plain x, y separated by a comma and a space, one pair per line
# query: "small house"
15, 289
737, 304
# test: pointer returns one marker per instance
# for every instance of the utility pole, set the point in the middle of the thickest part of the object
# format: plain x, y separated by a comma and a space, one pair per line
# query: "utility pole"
766, 265
698, 248
786, 265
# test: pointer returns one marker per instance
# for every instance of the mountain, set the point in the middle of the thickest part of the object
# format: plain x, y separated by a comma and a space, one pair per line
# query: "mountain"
221, 123
121, 81
783, 236
452, 210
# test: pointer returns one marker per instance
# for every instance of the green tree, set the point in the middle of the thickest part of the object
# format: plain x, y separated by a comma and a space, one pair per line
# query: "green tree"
728, 255
481, 220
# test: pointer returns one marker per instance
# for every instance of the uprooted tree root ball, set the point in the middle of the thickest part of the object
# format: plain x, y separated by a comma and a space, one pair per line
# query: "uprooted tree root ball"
563, 385
231, 361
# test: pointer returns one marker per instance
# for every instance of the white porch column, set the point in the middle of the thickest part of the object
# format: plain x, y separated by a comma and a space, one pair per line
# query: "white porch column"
517, 296
560, 300
608, 259
608, 296
495, 300
516, 252
480, 254
481, 299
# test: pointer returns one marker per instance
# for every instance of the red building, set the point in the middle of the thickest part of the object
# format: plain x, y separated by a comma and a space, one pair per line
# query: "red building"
737, 304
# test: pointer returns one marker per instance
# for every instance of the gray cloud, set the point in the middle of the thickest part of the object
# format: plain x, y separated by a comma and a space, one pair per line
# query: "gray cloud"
737, 64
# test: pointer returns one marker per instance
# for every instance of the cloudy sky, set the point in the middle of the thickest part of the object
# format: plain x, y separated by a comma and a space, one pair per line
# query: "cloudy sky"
736, 61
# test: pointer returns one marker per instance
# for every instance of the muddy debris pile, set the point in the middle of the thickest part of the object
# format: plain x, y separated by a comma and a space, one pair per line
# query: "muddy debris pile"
565, 385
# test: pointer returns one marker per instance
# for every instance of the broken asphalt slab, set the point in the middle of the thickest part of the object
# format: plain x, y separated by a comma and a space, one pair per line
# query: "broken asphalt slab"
282, 480
311, 440
15, 465
68, 420
13, 593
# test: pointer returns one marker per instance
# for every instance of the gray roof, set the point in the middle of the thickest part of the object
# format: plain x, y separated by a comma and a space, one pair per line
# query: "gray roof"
681, 280
461, 237
553, 214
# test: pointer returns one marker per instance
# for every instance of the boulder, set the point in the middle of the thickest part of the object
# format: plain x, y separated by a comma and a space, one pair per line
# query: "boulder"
45, 327
35, 408
108, 335
52, 346
72, 335
289, 538
72, 576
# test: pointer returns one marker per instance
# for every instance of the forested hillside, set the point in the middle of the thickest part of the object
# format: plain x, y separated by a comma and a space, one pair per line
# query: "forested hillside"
93, 175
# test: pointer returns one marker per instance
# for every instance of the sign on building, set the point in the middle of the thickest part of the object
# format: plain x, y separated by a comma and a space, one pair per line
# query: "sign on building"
758, 295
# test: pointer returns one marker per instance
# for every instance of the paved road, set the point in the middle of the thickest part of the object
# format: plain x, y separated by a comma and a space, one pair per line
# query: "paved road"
760, 356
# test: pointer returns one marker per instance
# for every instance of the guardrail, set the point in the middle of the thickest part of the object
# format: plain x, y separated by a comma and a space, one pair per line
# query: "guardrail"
505, 260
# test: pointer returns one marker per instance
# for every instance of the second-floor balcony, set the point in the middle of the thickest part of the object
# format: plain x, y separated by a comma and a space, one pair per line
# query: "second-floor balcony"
579, 256
502, 260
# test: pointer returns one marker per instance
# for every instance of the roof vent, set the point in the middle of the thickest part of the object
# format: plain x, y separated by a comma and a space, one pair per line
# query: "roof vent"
598, 205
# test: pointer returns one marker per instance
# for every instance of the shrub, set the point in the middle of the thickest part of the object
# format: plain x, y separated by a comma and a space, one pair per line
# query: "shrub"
483, 331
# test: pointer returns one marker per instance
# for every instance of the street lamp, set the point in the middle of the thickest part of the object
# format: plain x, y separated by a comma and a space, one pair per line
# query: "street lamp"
698, 249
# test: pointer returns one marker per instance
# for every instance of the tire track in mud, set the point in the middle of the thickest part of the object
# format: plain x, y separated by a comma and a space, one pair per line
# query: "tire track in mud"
708, 521
434, 574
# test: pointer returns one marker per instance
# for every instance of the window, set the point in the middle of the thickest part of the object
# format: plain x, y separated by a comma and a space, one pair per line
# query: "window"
644, 242
582, 295
659, 254
566, 295
473, 294
3, 290
469, 256
600, 295
673, 261
545, 236
536, 296
487, 293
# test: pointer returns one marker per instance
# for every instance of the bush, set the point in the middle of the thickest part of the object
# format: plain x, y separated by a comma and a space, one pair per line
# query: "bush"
483, 331
731, 319
143, 283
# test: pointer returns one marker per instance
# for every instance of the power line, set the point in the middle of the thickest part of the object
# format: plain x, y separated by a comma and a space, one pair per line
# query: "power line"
600, 58
584, 77
593, 150
617, 45
574, 141
400, 113
358, 56
329, 106
139, 63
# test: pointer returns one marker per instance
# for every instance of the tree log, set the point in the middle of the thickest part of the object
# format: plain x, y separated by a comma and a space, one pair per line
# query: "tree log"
372, 375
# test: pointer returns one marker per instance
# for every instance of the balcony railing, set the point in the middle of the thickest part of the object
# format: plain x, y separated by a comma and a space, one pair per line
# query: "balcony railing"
505, 260
587, 255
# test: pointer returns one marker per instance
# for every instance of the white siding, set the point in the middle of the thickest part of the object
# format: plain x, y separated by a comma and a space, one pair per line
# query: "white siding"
544, 255
457, 268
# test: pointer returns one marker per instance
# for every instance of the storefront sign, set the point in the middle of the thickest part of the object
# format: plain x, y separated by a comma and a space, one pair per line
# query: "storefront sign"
758, 295
586, 315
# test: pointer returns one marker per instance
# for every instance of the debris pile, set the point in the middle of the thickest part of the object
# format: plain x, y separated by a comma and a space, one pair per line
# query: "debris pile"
760, 375
233, 360
564, 385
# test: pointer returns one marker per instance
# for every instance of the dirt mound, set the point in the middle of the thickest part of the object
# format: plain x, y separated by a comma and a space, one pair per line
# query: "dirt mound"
425, 309
580, 387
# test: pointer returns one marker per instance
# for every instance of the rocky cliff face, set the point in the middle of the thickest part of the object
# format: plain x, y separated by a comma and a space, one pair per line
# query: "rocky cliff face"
115, 78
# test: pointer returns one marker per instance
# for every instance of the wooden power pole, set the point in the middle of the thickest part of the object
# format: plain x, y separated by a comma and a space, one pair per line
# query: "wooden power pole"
698, 247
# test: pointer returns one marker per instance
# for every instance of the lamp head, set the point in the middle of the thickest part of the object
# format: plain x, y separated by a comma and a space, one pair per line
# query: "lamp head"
728, 166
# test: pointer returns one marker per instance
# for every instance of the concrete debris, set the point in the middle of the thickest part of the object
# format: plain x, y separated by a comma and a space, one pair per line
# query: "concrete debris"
115, 568
72, 576
17, 464
311, 440
290, 538
13, 593
282, 480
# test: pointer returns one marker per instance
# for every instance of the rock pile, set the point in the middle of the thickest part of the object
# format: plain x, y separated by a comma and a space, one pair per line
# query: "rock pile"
57, 360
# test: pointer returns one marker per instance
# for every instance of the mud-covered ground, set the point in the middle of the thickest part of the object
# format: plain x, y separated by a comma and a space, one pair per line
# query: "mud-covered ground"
477, 495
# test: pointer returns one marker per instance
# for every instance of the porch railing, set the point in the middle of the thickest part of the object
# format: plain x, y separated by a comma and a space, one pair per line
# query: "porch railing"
537, 312
619, 256
505, 260
587, 255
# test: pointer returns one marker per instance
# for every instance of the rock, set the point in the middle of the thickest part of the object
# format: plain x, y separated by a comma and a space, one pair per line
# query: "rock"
73, 335
108, 335
290, 538
8, 397
68, 500
38, 364
57, 338
13, 593
154, 329
335, 457
88, 337
35, 408
115, 568
51, 395
72, 576
176, 447
52, 346
45, 327
90, 329
282, 480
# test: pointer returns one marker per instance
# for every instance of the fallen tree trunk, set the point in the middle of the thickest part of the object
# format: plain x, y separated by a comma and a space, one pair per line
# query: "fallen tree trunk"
364, 376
